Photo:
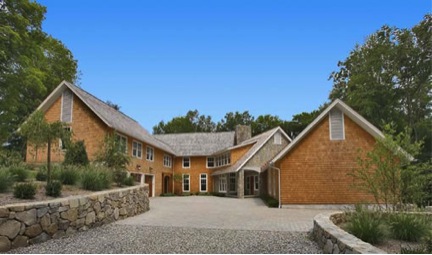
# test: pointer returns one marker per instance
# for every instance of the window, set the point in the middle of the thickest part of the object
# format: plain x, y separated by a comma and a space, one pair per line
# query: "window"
167, 161
210, 162
136, 149
62, 143
223, 160
203, 182
277, 138
150, 154
232, 182
121, 143
337, 131
256, 182
186, 162
222, 183
66, 106
186, 183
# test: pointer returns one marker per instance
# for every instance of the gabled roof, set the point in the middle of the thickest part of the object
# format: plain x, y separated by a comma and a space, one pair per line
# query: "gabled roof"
260, 141
198, 144
348, 111
111, 117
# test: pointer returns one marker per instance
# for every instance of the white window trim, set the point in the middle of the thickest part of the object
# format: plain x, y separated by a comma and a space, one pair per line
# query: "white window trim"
135, 156
206, 179
184, 162
183, 182
126, 150
153, 153
256, 181
170, 161
214, 163
343, 127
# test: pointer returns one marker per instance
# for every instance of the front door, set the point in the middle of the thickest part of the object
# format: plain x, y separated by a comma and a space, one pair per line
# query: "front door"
149, 180
166, 184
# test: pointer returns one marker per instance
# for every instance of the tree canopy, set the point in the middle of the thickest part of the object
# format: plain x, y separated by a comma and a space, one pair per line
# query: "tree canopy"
194, 122
32, 63
388, 79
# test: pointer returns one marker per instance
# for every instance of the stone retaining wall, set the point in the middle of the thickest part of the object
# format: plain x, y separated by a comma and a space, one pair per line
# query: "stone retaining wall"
334, 240
30, 223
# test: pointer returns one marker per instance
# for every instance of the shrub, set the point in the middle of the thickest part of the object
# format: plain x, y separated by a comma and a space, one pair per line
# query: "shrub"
119, 176
408, 227
53, 189
41, 174
19, 173
25, 190
95, 179
76, 154
6, 180
9, 158
217, 194
270, 201
167, 195
129, 181
416, 250
366, 226
69, 175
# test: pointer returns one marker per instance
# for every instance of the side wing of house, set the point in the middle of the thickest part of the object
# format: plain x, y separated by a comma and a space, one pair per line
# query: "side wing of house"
316, 168
81, 121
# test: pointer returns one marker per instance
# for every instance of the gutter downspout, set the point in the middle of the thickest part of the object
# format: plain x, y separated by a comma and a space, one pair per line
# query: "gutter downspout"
279, 182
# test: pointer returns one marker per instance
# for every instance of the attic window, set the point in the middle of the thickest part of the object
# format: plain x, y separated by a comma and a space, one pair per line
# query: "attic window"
67, 101
337, 128
277, 138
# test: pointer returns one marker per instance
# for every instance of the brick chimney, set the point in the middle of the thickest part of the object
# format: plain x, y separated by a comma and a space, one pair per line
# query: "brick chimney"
242, 133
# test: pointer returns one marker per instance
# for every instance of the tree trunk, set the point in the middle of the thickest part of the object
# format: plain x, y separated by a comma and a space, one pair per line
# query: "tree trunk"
49, 162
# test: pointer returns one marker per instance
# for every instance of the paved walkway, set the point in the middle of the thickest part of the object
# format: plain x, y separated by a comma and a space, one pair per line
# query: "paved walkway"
222, 213
196, 225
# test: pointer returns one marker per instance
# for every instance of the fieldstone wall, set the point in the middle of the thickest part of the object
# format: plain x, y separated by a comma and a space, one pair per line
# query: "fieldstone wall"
334, 240
30, 223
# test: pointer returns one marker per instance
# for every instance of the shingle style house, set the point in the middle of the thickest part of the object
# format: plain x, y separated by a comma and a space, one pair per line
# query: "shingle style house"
311, 169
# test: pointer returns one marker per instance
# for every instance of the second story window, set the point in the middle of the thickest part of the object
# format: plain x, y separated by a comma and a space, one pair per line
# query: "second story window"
186, 162
210, 162
136, 149
167, 161
121, 143
223, 160
150, 154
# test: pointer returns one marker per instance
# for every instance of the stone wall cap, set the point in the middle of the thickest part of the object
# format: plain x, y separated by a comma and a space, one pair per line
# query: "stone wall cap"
64, 199
357, 245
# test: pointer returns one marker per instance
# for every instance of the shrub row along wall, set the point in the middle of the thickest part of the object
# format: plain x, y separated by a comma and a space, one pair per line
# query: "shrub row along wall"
334, 240
30, 223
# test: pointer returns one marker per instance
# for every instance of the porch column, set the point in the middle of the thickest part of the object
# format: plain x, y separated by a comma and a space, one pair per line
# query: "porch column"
240, 184
142, 179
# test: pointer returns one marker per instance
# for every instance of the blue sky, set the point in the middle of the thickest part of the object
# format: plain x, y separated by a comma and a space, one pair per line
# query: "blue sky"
159, 59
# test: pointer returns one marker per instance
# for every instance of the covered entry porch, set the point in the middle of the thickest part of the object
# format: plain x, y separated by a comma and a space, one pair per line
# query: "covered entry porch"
241, 184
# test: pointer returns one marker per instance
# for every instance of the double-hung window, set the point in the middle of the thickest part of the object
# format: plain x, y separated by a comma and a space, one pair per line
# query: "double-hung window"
186, 162
136, 149
203, 182
121, 143
167, 161
210, 162
150, 153
186, 183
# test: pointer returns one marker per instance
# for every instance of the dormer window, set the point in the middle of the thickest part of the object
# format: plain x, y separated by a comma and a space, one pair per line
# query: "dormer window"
337, 127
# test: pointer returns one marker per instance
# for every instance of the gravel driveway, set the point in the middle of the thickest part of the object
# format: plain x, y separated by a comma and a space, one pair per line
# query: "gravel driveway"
196, 225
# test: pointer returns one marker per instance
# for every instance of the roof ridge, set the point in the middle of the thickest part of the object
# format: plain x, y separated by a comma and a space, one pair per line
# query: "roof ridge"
194, 133
93, 96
